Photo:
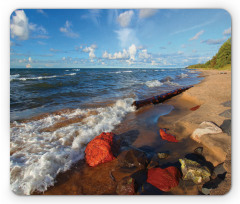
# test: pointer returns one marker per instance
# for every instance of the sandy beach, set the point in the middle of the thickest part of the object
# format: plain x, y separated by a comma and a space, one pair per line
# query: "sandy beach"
207, 97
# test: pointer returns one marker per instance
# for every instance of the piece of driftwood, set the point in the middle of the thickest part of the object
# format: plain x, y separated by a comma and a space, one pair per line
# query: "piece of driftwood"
160, 98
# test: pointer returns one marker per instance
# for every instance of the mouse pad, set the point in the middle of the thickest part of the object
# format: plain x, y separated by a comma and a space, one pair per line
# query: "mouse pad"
120, 101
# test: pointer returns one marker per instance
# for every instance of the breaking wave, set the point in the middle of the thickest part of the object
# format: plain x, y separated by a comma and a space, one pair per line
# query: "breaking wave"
182, 75
44, 147
154, 83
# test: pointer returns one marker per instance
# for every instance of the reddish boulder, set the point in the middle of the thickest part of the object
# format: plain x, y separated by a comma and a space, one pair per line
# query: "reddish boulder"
166, 136
99, 150
164, 179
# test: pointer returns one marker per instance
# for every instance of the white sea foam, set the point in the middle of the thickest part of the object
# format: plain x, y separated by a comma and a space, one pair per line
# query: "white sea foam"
71, 74
154, 83
191, 71
170, 83
128, 71
39, 156
182, 75
76, 70
35, 78
14, 76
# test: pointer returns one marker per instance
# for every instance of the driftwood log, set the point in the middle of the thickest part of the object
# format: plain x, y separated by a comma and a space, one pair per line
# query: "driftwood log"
160, 98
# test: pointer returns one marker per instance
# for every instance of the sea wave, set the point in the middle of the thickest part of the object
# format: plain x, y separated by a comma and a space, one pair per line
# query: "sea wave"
154, 83
14, 76
182, 75
39, 154
71, 74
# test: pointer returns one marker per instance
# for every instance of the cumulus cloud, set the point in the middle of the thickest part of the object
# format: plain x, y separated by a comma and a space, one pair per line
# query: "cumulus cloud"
146, 13
153, 63
227, 31
213, 41
144, 54
132, 51
90, 50
66, 29
128, 54
19, 25
197, 35
124, 19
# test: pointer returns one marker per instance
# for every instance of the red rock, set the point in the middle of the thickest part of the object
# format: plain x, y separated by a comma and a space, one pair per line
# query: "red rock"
99, 150
195, 108
126, 186
166, 136
164, 179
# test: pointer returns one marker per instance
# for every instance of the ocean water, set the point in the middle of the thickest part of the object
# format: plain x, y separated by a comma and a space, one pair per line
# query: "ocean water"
54, 113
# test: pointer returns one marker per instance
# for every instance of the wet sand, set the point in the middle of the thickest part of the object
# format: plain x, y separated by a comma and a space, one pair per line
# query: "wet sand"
141, 128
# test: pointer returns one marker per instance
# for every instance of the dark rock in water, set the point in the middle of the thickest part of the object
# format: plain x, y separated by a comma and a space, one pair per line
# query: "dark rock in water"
149, 189
226, 126
132, 158
164, 179
123, 141
162, 155
168, 78
227, 104
149, 151
140, 177
154, 162
226, 114
126, 186
199, 150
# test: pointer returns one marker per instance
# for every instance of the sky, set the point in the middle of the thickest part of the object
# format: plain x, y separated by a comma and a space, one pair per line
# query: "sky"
116, 38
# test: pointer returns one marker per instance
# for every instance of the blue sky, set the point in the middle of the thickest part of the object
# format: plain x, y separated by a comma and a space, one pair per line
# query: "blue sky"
148, 38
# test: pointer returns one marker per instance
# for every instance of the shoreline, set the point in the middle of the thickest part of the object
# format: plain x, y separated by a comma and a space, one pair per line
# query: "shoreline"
181, 121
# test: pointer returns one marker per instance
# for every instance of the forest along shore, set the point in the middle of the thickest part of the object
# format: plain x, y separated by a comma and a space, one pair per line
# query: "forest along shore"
198, 115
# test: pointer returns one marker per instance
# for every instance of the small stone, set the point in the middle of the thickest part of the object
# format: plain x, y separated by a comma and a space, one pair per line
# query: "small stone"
205, 128
206, 191
226, 127
199, 150
192, 170
162, 155
227, 104
219, 169
226, 114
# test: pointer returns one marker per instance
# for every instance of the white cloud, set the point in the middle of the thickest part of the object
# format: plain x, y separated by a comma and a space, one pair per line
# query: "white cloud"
154, 63
214, 41
132, 51
180, 52
90, 50
127, 37
64, 58
42, 12
146, 13
19, 25
144, 55
28, 66
227, 31
66, 29
197, 35
29, 59
124, 19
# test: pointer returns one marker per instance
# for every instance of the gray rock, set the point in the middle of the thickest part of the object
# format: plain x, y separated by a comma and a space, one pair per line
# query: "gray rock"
205, 128
219, 169
226, 114
227, 104
162, 155
226, 126
206, 191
